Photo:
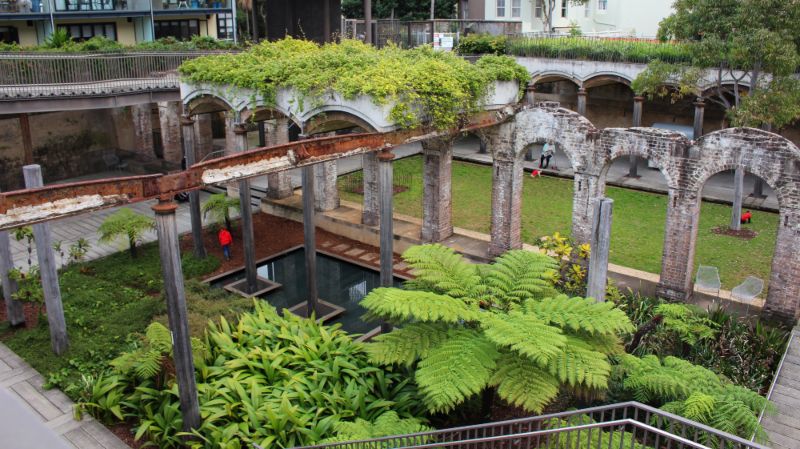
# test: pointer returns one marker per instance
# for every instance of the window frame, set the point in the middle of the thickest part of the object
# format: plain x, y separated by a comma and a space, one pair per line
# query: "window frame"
92, 26
225, 22
602, 5
516, 8
564, 11
538, 9
179, 25
500, 8
11, 31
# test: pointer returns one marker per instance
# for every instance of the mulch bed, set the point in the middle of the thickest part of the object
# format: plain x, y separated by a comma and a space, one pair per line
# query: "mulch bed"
744, 234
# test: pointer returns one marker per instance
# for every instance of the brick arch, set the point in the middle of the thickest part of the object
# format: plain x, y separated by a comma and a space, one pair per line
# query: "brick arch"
200, 102
548, 76
599, 78
331, 121
258, 113
656, 145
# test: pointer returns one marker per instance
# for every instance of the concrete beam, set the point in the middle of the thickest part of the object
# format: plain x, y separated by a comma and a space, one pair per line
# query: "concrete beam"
601, 243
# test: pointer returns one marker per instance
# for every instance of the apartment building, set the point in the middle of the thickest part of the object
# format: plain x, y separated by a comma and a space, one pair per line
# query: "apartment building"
621, 17
29, 22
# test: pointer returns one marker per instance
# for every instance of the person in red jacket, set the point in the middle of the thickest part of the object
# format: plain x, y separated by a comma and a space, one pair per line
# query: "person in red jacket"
225, 239
746, 217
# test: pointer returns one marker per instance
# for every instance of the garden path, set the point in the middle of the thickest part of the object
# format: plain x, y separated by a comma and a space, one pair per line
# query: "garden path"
783, 427
33, 418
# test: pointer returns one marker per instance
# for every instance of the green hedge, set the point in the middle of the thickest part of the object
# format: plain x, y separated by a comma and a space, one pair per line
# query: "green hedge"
102, 44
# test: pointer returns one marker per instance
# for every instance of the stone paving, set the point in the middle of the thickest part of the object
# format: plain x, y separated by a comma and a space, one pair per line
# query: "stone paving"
37, 418
783, 427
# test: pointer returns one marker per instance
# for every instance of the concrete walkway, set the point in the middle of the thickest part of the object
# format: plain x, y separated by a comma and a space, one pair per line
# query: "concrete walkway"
34, 418
783, 427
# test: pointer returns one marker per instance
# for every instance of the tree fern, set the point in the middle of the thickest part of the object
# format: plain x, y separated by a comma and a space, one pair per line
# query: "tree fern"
687, 322
398, 305
581, 314
523, 383
520, 275
526, 335
456, 369
405, 345
387, 424
579, 365
440, 269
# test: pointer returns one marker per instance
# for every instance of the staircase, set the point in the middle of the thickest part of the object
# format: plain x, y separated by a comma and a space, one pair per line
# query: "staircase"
783, 427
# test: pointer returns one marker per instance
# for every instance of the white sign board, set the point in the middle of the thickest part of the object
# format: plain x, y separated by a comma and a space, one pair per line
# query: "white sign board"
443, 41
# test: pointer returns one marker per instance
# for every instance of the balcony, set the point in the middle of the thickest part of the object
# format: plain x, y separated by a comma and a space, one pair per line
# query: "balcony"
27, 8
81, 8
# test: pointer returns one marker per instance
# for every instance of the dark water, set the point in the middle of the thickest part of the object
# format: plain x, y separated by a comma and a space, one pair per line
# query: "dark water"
339, 282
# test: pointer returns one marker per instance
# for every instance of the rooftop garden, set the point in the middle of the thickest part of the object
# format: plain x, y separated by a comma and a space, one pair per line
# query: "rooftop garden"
423, 85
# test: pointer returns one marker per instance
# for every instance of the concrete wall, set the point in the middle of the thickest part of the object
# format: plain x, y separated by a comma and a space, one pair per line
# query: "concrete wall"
27, 33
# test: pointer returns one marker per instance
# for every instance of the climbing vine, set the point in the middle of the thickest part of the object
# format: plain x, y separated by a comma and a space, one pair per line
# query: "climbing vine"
425, 86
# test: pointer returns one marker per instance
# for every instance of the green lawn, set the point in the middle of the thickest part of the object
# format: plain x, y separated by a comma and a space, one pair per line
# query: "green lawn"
638, 226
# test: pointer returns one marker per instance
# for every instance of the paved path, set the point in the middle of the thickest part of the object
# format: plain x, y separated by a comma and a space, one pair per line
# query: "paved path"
783, 428
34, 418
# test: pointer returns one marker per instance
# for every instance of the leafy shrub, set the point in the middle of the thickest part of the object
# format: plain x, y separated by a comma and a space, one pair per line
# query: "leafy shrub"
218, 206
127, 224
387, 424
482, 44
618, 50
426, 86
470, 327
204, 304
278, 381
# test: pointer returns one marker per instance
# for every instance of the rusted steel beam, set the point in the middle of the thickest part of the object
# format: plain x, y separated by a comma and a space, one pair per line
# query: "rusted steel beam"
25, 207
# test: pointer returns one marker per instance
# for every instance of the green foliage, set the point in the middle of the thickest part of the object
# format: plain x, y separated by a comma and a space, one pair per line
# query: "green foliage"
128, 224
680, 387
616, 50
277, 381
482, 44
462, 344
687, 322
61, 42
425, 86
78, 250
599, 439
204, 303
59, 38
218, 206
388, 424
29, 285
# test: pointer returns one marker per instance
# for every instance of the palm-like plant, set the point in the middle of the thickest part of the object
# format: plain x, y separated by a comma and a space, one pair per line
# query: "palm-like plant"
219, 206
471, 327
128, 224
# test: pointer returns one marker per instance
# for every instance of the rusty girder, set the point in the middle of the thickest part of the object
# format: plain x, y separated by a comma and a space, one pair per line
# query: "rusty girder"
24, 207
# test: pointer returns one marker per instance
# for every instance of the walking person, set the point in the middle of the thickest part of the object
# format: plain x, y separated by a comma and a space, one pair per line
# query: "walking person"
547, 152
225, 240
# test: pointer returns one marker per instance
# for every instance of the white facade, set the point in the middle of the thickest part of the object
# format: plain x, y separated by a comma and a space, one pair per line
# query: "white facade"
622, 17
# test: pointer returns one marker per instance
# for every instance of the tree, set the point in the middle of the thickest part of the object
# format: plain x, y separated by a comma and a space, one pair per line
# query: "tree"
126, 223
470, 328
401, 10
219, 206
547, 7
734, 43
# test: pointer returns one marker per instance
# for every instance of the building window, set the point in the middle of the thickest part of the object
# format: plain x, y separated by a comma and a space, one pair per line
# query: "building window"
501, 8
602, 5
179, 29
225, 26
86, 31
87, 5
538, 9
9, 35
516, 8
586, 10
563, 8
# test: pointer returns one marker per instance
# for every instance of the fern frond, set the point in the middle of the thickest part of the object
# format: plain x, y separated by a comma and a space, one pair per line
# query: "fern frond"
406, 344
578, 365
456, 369
687, 322
581, 315
440, 269
519, 275
698, 407
524, 334
148, 364
159, 337
387, 424
397, 305
522, 383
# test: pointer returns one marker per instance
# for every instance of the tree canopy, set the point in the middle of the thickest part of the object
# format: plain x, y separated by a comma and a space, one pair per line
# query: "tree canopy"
403, 10
745, 52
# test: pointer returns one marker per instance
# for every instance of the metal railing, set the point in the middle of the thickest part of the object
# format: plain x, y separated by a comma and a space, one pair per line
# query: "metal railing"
627, 425
38, 74
409, 34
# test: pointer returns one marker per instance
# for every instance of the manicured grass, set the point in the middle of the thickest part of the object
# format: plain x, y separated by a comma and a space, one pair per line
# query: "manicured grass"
638, 224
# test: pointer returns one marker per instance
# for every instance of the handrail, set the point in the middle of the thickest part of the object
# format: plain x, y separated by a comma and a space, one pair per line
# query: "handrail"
777, 374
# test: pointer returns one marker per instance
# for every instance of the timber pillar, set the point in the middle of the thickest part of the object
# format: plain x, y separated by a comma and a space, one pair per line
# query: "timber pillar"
248, 238
190, 155
600, 246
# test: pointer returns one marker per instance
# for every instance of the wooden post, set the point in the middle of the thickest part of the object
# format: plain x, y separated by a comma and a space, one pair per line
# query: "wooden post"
699, 110
601, 242
633, 160
310, 240
326, 20
262, 134
386, 187
530, 94
170, 253
27, 145
738, 192
190, 153
368, 21
14, 309
582, 101
47, 269
248, 238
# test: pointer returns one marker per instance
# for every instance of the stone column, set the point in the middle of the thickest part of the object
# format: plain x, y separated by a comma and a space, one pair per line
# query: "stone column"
248, 238
582, 101
386, 181
169, 250
231, 119
680, 236
699, 110
326, 193
14, 308
482, 148
47, 269
142, 117
530, 94
586, 190
437, 198
370, 213
204, 142
189, 151
310, 240
601, 243
27, 143
738, 193
633, 160
279, 185
169, 114
506, 206
783, 296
